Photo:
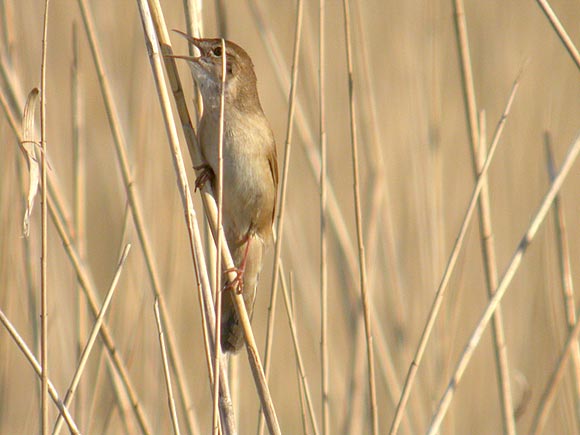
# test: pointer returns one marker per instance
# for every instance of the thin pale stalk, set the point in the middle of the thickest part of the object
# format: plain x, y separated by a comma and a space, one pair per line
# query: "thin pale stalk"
136, 209
221, 18
559, 28
38, 369
166, 371
298, 354
323, 236
549, 393
379, 198
300, 386
389, 374
513, 266
359, 231
436, 305
79, 202
282, 198
44, 235
477, 140
565, 274
99, 374
353, 411
211, 212
218, 267
92, 339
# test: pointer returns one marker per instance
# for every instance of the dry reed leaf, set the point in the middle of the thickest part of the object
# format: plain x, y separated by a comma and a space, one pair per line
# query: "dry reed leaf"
28, 148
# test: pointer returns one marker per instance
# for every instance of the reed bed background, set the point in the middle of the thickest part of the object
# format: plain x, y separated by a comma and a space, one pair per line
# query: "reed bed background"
418, 127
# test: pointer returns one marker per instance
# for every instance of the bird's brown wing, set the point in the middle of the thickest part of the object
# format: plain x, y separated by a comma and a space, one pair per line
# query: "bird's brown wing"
273, 162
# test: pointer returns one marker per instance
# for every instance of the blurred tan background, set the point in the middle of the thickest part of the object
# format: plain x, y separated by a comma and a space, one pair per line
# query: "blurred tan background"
416, 176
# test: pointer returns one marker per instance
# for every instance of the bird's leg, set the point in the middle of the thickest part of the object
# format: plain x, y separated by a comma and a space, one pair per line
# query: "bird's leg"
205, 175
238, 282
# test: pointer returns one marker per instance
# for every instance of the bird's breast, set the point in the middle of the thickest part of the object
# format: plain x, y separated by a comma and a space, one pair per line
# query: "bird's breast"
248, 188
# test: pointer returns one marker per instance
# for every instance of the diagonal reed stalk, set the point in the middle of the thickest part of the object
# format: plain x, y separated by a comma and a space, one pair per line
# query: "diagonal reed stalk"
298, 353
359, 231
211, 214
549, 393
560, 31
436, 305
79, 201
477, 141
86, 352
89, 287
38, 369
568, 298
152, 44
565, 268
503, 284
166, 371
300, 383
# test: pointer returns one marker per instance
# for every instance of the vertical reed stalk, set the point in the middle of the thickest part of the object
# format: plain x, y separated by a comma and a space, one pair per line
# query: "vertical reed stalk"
282, 195
44, 234
477, 140
79, 200
218, 267
359, 231
563, 247
324, 366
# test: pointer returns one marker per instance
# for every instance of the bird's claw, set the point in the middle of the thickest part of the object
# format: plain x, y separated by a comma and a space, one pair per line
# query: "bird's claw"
206, 173
237, 284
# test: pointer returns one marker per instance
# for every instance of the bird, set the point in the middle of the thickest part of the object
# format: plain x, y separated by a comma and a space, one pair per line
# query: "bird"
250, 167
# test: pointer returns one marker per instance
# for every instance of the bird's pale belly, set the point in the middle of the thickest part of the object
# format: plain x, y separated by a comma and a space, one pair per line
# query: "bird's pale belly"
247, 202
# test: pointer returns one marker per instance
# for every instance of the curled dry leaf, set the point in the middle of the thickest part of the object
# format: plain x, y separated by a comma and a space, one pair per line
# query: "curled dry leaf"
28, 146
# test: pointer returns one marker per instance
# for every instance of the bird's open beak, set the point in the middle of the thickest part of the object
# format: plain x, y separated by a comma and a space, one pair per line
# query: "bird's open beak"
194, 41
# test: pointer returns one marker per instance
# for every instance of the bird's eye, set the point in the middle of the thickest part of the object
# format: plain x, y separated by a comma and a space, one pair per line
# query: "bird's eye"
217, 51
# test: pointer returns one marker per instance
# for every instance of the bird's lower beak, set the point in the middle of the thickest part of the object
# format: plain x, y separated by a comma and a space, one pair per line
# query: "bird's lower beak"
177, 56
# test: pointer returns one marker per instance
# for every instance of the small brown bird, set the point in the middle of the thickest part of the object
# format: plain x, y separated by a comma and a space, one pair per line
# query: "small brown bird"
250, 168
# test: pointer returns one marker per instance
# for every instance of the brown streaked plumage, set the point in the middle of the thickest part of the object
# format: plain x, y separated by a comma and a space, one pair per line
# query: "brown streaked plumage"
250, 168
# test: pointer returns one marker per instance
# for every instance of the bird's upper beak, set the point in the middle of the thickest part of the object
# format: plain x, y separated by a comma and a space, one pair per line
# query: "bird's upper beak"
194, 41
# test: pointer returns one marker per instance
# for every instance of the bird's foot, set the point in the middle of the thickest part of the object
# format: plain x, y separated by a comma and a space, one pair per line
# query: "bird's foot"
206, 174
237, 284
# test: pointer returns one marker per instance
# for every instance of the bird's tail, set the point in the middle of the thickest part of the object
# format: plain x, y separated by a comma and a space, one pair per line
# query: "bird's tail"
232, 334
